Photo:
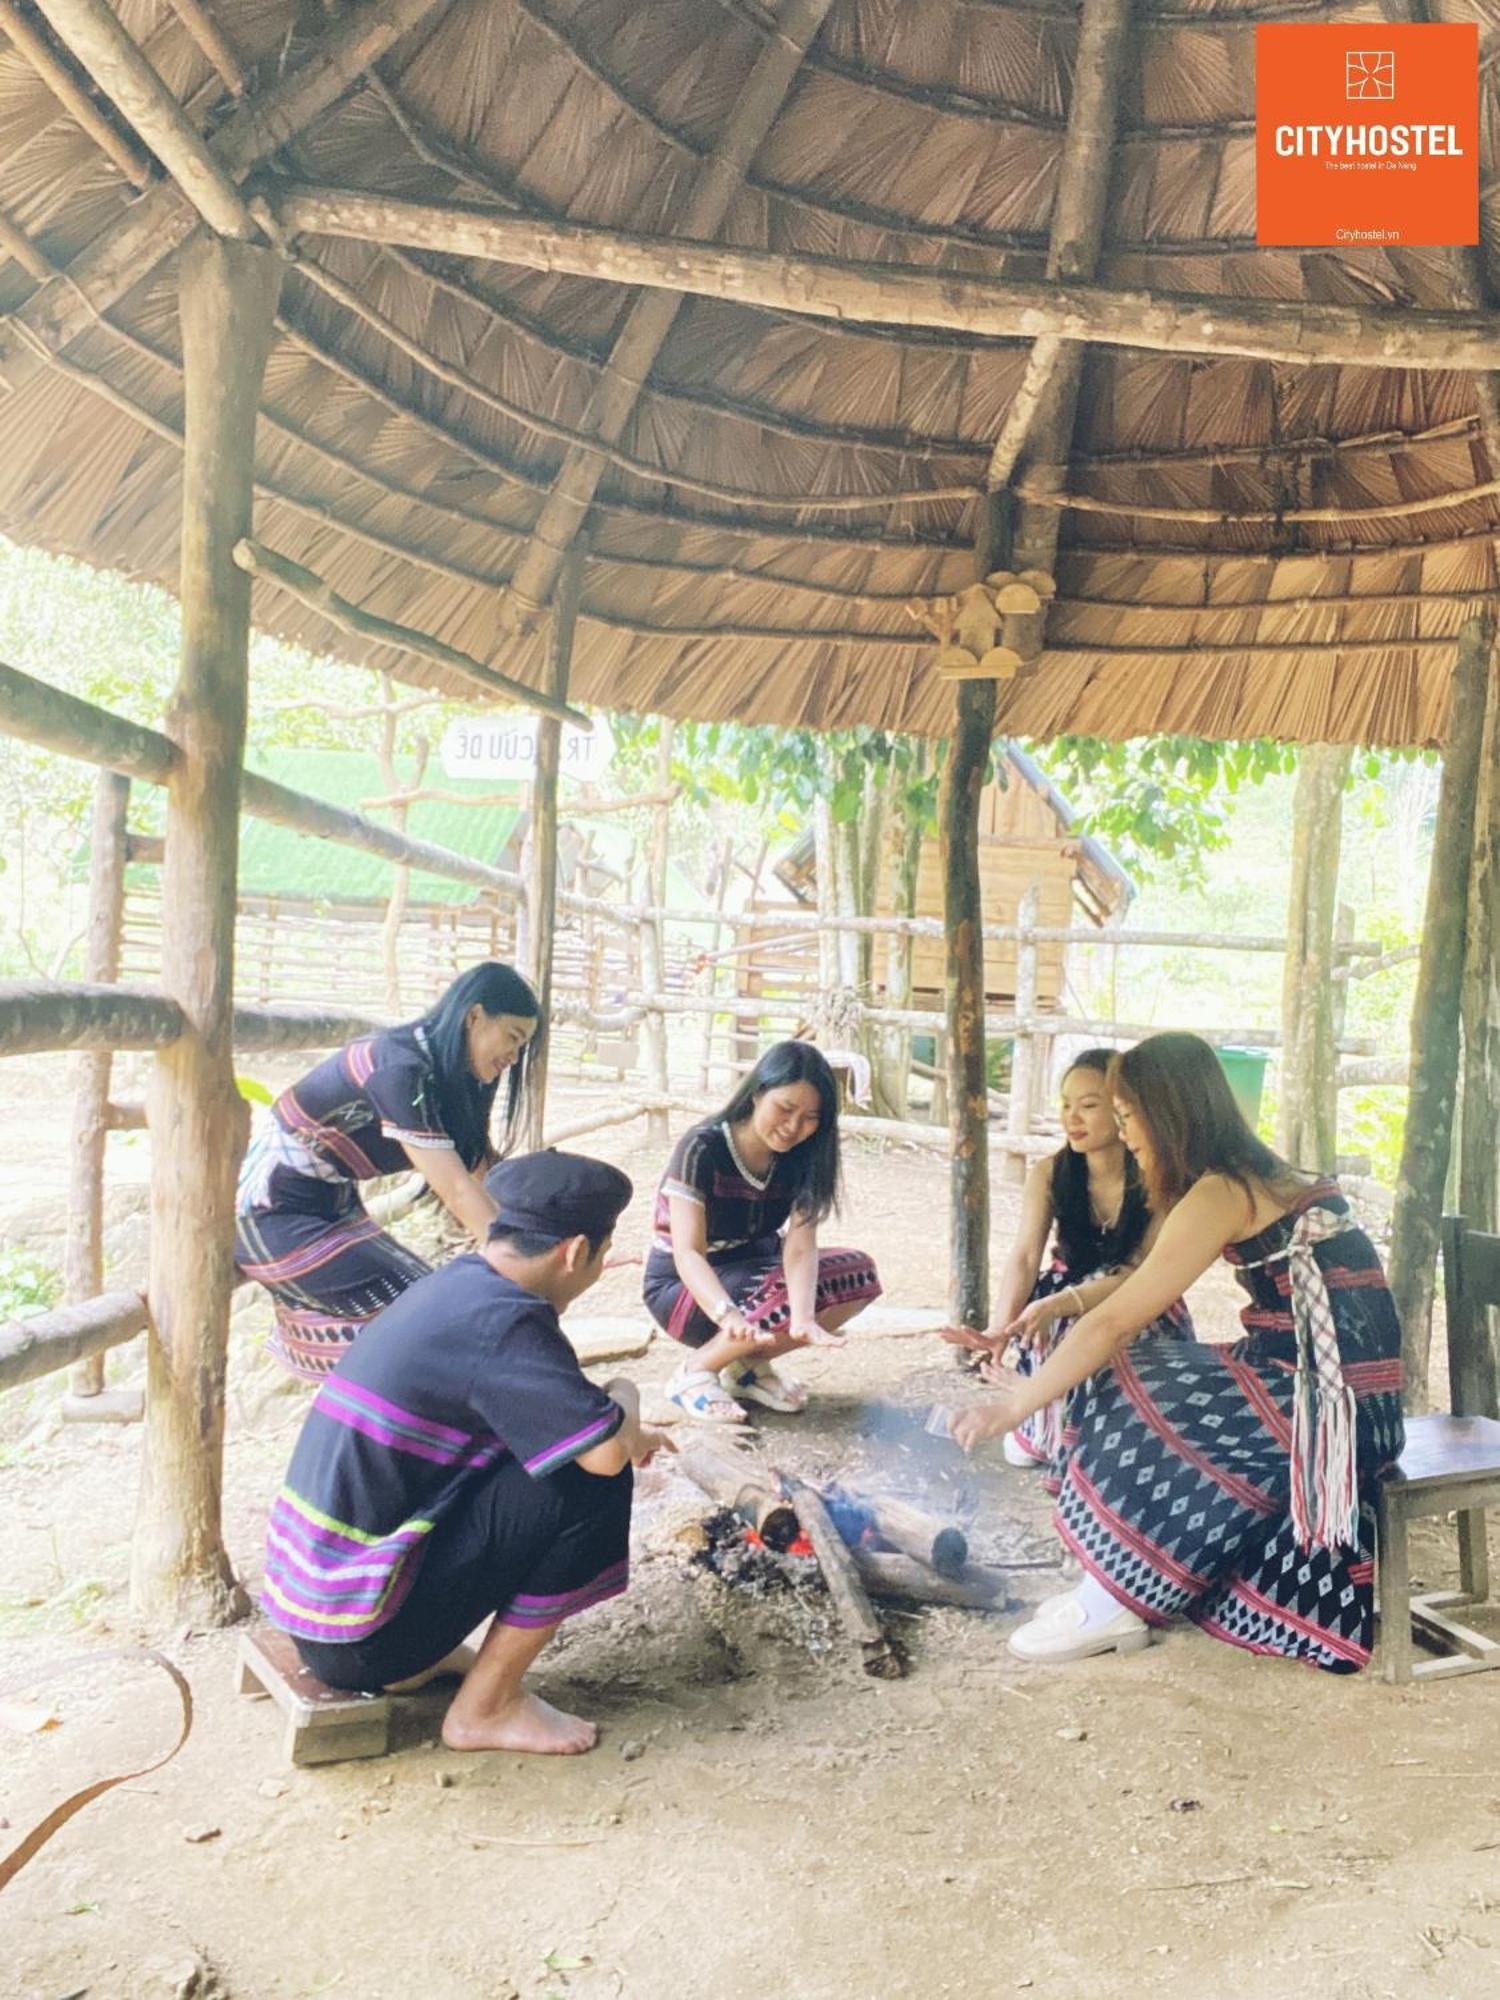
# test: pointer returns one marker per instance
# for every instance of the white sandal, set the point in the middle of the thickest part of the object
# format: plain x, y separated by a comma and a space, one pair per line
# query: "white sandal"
759, 1382
698, 1392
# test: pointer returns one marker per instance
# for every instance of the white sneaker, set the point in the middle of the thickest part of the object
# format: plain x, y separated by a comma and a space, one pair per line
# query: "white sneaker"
1015, 1453
1065, 1633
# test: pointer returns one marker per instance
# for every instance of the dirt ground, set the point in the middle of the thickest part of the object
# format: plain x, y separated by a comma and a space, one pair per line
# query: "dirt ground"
760, 1818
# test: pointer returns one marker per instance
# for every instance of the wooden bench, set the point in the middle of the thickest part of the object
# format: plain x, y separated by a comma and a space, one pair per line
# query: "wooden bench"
324, 1725
1451, 1465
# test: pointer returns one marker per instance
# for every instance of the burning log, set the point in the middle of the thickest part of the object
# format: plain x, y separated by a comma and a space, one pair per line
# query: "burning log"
735, 1481
904, 1580
856, 1614
941, 1545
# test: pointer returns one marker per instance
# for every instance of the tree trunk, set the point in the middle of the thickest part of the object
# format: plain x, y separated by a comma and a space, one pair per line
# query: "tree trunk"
1417, 1218
893, 1086
1309, 1059
824, 875
395, 909
658, 1066
83, 1256
1025, 1056
541, 873
199, 1122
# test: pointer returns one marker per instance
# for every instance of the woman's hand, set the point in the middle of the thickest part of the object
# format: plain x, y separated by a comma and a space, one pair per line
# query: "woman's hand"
1030, 1326
986, 1420
807, 1333
734, 1326
977, 1343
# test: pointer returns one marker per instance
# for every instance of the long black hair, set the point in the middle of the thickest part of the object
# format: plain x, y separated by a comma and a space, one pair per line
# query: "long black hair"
1082, 1244
810, 1171
1176, 1086
464, 1103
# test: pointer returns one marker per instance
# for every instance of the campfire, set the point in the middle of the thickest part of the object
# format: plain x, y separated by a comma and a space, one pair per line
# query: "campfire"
773, 1532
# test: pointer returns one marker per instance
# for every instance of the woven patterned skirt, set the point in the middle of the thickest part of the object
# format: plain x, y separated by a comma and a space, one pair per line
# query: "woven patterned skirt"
328, 1278
1176, 1497
1052, 1433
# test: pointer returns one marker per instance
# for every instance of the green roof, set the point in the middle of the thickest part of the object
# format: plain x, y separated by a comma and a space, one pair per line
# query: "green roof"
280, 861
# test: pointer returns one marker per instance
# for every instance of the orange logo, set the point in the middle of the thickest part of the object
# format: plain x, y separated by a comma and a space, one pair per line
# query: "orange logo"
1366, 134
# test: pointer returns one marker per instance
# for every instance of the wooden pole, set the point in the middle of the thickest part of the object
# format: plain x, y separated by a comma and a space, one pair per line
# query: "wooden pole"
721, 893
658, 1067
310, 589
398, 804
1023, 1049
36, 1017
37, 713
212, 40
24, 36
1297, 333
83, 1252
1309, 1068
100, 42
1478, 1179
31, 1348
199, 1122
541, 887
1435, 1017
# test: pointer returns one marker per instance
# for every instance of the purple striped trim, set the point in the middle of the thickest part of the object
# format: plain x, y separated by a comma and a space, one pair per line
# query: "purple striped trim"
311, 1535
386, 1434
378, 1406
359, 1060
297, 1263
529, 1611
570, 1447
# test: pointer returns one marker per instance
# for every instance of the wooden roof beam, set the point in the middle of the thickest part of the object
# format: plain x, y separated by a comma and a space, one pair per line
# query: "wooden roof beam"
133, 162
310, 589
213, 41
98, 39
162, 220
650, 320
1296, 332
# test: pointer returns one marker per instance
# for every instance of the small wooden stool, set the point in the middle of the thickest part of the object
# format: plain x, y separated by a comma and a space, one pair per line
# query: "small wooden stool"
324, 1725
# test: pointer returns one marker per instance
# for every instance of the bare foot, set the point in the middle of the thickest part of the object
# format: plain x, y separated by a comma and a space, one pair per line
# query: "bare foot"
525, 1723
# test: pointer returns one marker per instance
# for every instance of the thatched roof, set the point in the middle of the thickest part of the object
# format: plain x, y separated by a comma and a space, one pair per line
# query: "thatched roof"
418, 406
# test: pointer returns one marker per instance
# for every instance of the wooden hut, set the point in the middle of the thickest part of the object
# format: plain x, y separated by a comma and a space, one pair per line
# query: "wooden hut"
707, 359
1026, 839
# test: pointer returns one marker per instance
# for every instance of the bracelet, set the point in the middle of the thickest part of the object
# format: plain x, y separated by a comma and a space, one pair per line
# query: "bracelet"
722, 1310
1082, 1308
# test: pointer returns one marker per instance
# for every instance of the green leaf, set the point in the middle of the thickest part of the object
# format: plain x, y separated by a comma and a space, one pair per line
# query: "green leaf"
252, 1091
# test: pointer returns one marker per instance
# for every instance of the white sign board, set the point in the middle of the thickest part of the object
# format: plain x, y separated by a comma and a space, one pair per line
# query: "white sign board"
505, 747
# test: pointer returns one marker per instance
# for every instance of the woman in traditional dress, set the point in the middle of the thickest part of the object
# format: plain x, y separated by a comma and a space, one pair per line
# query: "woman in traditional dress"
419, 1095
1090, 1199
735, 1272
1230, 1485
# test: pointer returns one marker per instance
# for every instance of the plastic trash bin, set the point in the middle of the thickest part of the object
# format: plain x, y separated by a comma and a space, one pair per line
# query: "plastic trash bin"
1245, 1070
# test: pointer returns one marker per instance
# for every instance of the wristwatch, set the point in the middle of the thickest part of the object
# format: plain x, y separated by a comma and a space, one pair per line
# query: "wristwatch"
722, 1310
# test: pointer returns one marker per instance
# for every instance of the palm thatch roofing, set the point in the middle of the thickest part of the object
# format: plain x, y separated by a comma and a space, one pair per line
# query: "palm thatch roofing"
1265, 548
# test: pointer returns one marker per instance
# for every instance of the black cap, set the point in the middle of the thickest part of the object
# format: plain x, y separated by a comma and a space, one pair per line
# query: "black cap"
558, 1194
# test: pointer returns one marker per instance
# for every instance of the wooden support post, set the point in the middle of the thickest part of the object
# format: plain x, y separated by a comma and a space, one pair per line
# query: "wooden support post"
964, 779
658, 1066
1478, 1178
83, 1254
1309, 1055
1023, 1049
1433, 1093
199, 1121
541, 880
